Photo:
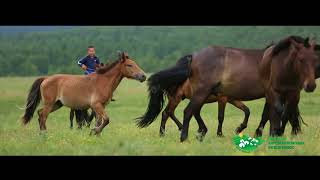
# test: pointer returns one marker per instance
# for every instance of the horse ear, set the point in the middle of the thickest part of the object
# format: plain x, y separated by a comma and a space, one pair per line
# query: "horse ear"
119, 54
123, 57
306, 42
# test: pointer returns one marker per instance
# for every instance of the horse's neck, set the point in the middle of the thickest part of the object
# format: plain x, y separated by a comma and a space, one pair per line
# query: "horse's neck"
111, 79
286, 76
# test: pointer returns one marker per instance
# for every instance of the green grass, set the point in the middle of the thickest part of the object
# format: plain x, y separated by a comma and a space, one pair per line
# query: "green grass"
122, 137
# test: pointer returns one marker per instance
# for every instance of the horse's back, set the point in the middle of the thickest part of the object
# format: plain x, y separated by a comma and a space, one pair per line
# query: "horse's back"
67, 88
233, 69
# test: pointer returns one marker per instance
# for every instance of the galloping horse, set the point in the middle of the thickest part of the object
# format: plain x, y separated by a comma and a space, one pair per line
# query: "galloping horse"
80, 92
286, 69
212, 73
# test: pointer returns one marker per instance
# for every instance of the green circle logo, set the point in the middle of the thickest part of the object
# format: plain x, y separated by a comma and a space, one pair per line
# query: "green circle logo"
246, 143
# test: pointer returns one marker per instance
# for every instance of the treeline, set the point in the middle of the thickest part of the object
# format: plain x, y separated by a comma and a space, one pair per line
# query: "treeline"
153, 48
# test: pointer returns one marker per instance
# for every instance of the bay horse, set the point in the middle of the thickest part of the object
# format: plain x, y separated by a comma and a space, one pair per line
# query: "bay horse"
285, 70
185, 91
294, 115
213, 71
80, 91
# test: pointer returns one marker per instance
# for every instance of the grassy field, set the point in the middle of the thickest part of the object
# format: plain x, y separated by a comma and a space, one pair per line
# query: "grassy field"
122, 137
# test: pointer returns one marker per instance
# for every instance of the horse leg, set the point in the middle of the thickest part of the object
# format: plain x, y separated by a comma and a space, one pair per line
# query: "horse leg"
79, 118
275, 122
246, 111
292, 113
202, 127
71, 118
44, 112
169, 112
86, 118
176, 120
295, 122
284, 118
221, 109
194, 105
275, 110
102, 117
264, 120
165, 116
83, 119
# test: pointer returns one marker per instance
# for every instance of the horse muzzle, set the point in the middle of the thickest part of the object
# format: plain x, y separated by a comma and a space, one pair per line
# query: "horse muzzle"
309, 87
140, 77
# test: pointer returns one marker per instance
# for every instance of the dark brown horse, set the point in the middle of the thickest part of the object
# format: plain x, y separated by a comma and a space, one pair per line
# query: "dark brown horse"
80, 92
218, 71
295, 116
285, 70
185, 92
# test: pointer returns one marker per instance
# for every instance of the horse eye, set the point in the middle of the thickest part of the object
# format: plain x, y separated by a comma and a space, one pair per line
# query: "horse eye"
129, 65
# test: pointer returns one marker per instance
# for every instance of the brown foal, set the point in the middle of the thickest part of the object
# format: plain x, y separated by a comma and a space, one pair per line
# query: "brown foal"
81, 92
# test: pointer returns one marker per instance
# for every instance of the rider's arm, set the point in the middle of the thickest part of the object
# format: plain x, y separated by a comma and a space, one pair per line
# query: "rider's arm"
81, 63
98, 61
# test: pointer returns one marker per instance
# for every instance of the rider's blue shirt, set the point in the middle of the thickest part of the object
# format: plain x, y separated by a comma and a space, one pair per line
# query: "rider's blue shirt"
90, 62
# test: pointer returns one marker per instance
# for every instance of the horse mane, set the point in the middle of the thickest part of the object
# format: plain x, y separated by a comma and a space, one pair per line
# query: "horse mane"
107, 67
285, 44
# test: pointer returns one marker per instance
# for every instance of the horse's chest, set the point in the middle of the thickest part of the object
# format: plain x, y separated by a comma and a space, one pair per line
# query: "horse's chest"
283, 83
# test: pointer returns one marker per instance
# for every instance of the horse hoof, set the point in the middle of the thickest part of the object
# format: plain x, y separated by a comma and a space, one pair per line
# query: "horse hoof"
161, 134
183, 137
200, 137
93, 132
43, 134
257, 134
295, 131
220, 135
238, 130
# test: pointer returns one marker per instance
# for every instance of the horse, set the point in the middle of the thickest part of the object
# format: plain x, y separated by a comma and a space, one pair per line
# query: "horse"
285, 70
295, 115
185, 91
80, 91
82, 116
219, 71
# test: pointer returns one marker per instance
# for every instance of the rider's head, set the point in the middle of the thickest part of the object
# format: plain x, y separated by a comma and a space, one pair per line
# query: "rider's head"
91, 51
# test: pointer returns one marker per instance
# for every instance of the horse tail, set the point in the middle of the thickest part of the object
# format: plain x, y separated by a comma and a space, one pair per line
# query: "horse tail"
159, 84
300, 118
33, 100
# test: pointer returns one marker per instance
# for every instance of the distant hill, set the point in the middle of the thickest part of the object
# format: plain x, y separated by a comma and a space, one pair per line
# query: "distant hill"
22, 29
49, 50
